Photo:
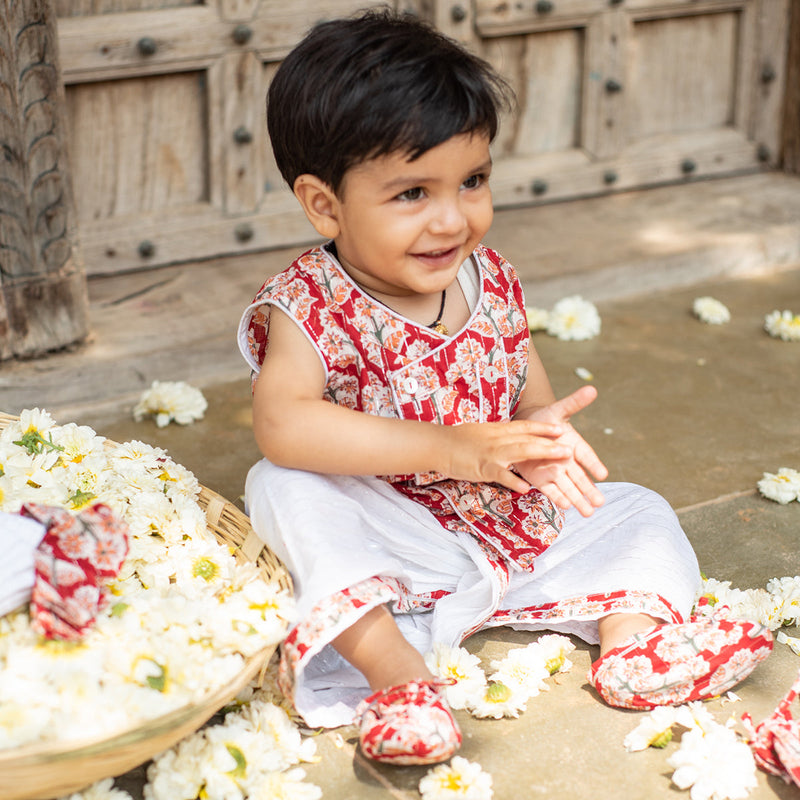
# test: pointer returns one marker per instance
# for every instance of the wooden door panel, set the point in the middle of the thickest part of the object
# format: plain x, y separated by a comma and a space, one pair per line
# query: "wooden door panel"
139, 145
683, 74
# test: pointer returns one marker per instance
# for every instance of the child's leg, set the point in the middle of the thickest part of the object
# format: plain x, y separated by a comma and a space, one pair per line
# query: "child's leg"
406, 720
377, 649
615, 628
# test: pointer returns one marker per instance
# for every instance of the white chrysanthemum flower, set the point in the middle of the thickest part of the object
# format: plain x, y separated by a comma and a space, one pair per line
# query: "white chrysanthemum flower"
168, 400
177, 774
786, 591
574, 319
461, 665
32, 427
458, 779
538, 318
554, 648
655, 730
584, 374
695, 715
289, 785
783, 325
715, 764
791, 641
523, 669
711, 311
497, 700
782, 486
102, 790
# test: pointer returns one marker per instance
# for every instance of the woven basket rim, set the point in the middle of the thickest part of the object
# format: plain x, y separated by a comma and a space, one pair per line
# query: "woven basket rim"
33, 763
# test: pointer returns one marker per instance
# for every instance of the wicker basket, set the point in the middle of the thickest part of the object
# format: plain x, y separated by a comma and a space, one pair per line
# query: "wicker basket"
45, 771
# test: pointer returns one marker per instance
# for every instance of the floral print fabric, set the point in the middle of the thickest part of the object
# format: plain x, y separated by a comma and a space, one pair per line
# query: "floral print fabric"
672, 664
76, 554
380, 363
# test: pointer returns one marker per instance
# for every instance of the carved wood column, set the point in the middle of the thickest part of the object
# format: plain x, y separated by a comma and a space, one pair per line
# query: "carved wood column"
43, 298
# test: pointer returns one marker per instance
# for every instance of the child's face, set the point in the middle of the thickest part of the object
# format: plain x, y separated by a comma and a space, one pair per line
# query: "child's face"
405, 226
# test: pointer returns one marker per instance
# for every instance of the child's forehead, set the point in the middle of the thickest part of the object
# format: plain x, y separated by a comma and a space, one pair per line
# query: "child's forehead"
461, 153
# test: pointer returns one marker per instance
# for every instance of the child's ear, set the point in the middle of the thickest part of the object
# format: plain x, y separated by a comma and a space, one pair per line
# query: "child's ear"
319, 203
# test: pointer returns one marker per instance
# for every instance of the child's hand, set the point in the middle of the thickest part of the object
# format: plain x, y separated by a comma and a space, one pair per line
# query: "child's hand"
486, 451
565, 481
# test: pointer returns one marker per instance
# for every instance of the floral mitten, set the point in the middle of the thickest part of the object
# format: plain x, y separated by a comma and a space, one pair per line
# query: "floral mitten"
775, 742
675, 663
408, 724
76, 554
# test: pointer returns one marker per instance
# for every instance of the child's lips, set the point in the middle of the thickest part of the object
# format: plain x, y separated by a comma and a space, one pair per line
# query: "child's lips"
440, 256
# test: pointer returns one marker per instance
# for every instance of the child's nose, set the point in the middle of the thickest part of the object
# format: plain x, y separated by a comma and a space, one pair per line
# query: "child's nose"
448, 217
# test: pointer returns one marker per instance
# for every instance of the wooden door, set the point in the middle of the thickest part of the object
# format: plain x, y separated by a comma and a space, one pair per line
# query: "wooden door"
167, 135
622, 94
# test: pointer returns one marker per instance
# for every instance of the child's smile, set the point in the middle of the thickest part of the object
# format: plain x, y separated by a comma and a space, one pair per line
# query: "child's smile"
405, 227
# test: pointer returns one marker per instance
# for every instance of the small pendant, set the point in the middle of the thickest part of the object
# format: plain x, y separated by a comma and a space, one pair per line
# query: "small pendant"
441, 328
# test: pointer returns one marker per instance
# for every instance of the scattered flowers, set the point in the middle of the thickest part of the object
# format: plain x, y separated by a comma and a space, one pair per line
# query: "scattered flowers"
773, 607
459, 664
102, 790
574, 319
458, 779
171, 400
655, 730
517, 677
783, 325
711, 311
782, 486
712, 760
252, 754
179, 620
715, 763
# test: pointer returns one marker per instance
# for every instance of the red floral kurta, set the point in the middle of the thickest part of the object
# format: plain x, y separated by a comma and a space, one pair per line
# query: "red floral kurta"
381, 363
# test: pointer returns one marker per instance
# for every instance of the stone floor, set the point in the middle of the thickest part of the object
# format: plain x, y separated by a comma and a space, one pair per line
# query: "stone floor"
693, 411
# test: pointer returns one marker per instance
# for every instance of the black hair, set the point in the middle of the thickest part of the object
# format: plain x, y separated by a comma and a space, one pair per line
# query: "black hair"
379, 83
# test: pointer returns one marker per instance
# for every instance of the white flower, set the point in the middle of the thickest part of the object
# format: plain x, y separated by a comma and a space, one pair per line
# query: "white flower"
655, 730
289, 785
102, 790
168, 400
791, 641
497, 700
584, 374
461, 665
715, 764
523, 669
554, 648
537, 318
459, 779
574, 319
783, 325
711, 311
786, 591
782, 486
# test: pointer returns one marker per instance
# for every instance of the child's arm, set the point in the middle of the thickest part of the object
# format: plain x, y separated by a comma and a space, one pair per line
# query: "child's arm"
294, 427
565, 482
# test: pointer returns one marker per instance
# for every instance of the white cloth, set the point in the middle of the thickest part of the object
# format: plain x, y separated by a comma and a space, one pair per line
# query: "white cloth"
334, 531
19, 538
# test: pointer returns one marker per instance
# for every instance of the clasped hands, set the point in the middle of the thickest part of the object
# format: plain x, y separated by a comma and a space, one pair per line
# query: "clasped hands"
541, 450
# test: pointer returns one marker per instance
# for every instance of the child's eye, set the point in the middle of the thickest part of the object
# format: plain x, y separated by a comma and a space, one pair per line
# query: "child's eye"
474, 181
411, 194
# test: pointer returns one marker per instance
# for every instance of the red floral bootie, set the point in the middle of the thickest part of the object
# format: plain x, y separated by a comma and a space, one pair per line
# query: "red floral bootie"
675, 663
775, 742
408, 724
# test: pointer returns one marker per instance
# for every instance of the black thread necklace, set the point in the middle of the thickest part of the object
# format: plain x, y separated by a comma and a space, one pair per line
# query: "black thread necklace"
437, 325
